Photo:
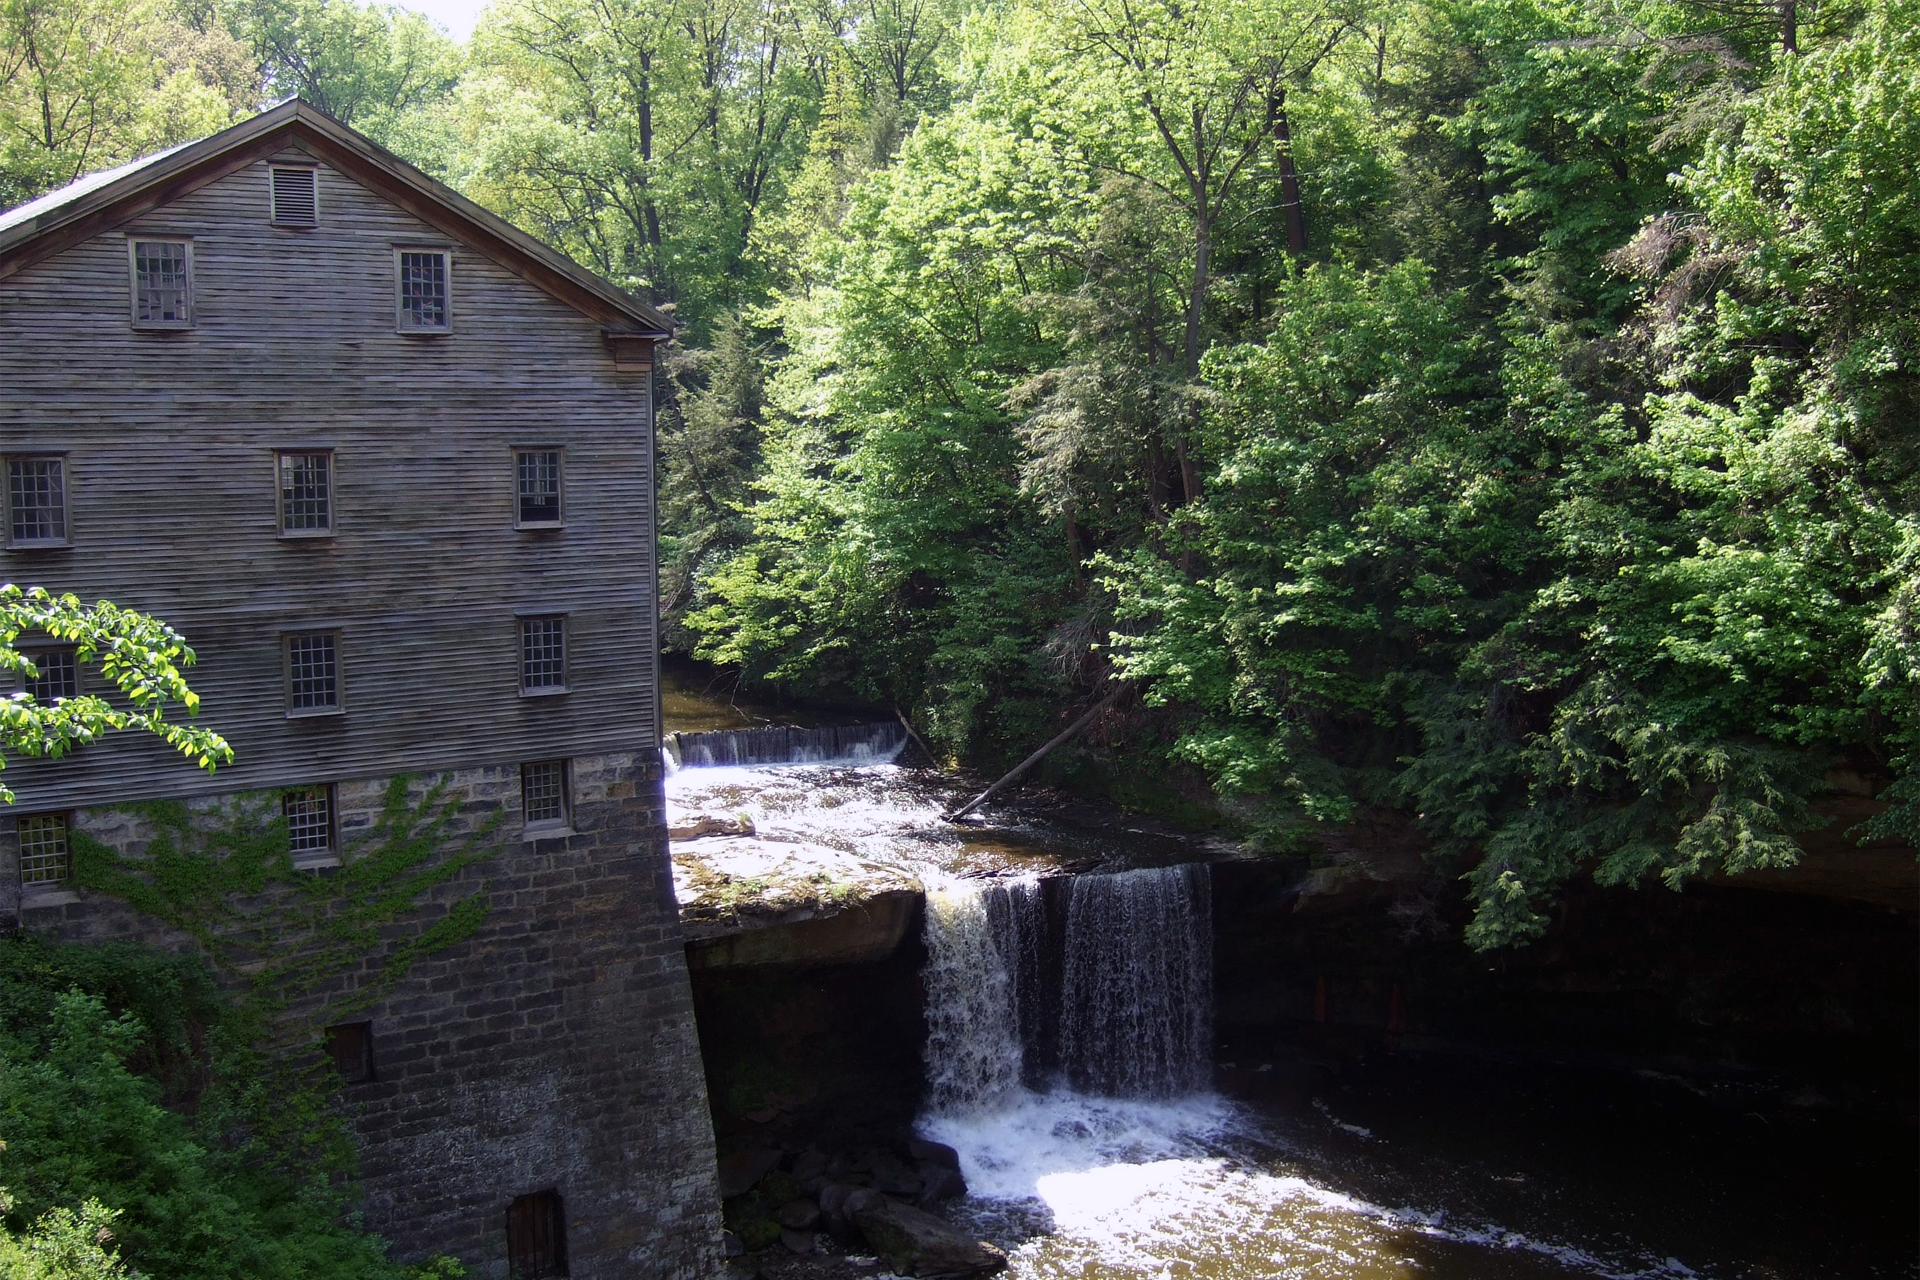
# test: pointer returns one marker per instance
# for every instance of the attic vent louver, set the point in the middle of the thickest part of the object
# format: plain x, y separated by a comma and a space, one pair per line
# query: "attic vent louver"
296, 201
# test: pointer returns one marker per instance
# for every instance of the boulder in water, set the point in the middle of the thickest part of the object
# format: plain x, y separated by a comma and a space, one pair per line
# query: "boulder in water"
890, 1173
797, 1241
916, 1243
938, 1183
934, 1153
740, 1171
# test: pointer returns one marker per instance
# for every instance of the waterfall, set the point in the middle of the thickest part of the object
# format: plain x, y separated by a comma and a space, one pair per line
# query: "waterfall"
1122, 1009
973, 1034
1137, 991
785, 744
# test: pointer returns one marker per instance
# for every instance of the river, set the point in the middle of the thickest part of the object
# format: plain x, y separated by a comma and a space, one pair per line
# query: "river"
1071, 1058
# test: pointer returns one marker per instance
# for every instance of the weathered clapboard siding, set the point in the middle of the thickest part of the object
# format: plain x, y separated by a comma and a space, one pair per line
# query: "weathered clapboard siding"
173, 502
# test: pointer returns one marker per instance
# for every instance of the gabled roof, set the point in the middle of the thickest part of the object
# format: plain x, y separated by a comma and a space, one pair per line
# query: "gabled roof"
101, 201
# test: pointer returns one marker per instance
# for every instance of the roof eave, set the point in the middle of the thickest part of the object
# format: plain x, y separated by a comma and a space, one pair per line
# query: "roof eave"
175, 173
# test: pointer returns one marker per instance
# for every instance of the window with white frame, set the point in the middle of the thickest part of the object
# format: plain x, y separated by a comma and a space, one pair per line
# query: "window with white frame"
537, 479
36, 502
306, 494
46, 859
422, 280
543, 654
56, 675
313, 673
162, 283
295, 195
543, 793
309, 815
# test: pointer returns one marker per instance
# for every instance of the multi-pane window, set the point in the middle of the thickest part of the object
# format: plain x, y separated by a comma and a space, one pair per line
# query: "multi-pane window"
350, 1045
536, 1237
313, 673
543, 654
36, 501
309, 815
423, 290
162, 283
57, 675
306, 493
543, 793
45, 857
537, 477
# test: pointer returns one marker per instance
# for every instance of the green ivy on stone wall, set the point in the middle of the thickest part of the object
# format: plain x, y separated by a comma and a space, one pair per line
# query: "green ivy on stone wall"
281, 936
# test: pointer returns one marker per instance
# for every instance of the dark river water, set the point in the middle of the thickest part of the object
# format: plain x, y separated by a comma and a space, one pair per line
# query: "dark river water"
1405, 1165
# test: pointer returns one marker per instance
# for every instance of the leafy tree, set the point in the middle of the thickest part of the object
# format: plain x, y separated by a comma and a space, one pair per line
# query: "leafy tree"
367, 65
91, 1146
140, 656
88, 84
63, 1245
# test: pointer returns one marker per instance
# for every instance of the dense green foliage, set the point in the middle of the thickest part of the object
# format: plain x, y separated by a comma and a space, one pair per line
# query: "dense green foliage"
131, 1103
1501, 411
139, 656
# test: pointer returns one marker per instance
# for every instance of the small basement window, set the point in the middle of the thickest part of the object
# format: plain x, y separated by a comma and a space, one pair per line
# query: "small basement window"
295, 195
306, 494
350, 1045
543, 654
57, 675
543, 793
309, 815
46, 859
424, 302
313, 673
36, 502
537, 476
162, 283
536, 1237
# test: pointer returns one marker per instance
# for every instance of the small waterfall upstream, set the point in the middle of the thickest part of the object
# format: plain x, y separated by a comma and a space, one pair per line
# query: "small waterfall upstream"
787, 744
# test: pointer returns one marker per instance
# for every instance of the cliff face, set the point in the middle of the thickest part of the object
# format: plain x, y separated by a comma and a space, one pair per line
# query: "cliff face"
1800, 982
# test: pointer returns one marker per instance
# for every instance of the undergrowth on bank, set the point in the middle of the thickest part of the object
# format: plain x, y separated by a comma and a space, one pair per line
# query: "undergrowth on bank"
171, 1115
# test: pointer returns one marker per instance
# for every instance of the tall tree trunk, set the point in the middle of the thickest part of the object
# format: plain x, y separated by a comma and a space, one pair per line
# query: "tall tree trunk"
1074, 555
650, 210
1197, 295
1290, 184
1196, 308
1790, 25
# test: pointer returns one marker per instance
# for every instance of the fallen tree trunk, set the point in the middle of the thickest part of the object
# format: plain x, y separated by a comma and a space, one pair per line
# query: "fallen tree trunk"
1033, 759
925, 750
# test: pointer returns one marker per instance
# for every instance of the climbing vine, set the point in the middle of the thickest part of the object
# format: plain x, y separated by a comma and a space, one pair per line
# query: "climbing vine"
224, 875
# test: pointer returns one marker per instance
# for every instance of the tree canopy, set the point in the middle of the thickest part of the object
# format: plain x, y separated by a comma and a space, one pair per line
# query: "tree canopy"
1501, 412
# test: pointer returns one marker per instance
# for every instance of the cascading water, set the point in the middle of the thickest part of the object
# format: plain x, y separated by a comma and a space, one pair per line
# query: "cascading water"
1068, 1057
786, 744
1137, 993
973, 1033
1125, 1013
1118, 1162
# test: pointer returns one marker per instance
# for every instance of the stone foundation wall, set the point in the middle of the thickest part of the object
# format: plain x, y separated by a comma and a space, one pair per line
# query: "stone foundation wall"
553, 1049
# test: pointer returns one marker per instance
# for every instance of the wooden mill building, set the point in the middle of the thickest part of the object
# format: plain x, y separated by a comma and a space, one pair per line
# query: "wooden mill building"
386, 461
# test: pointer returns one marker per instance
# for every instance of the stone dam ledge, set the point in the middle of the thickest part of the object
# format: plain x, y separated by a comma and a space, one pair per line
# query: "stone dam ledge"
748, 901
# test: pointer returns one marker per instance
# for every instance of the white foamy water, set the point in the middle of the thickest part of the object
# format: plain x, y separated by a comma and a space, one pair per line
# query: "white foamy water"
1080, 1186
869, 811
973, 1036
1170, 1180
